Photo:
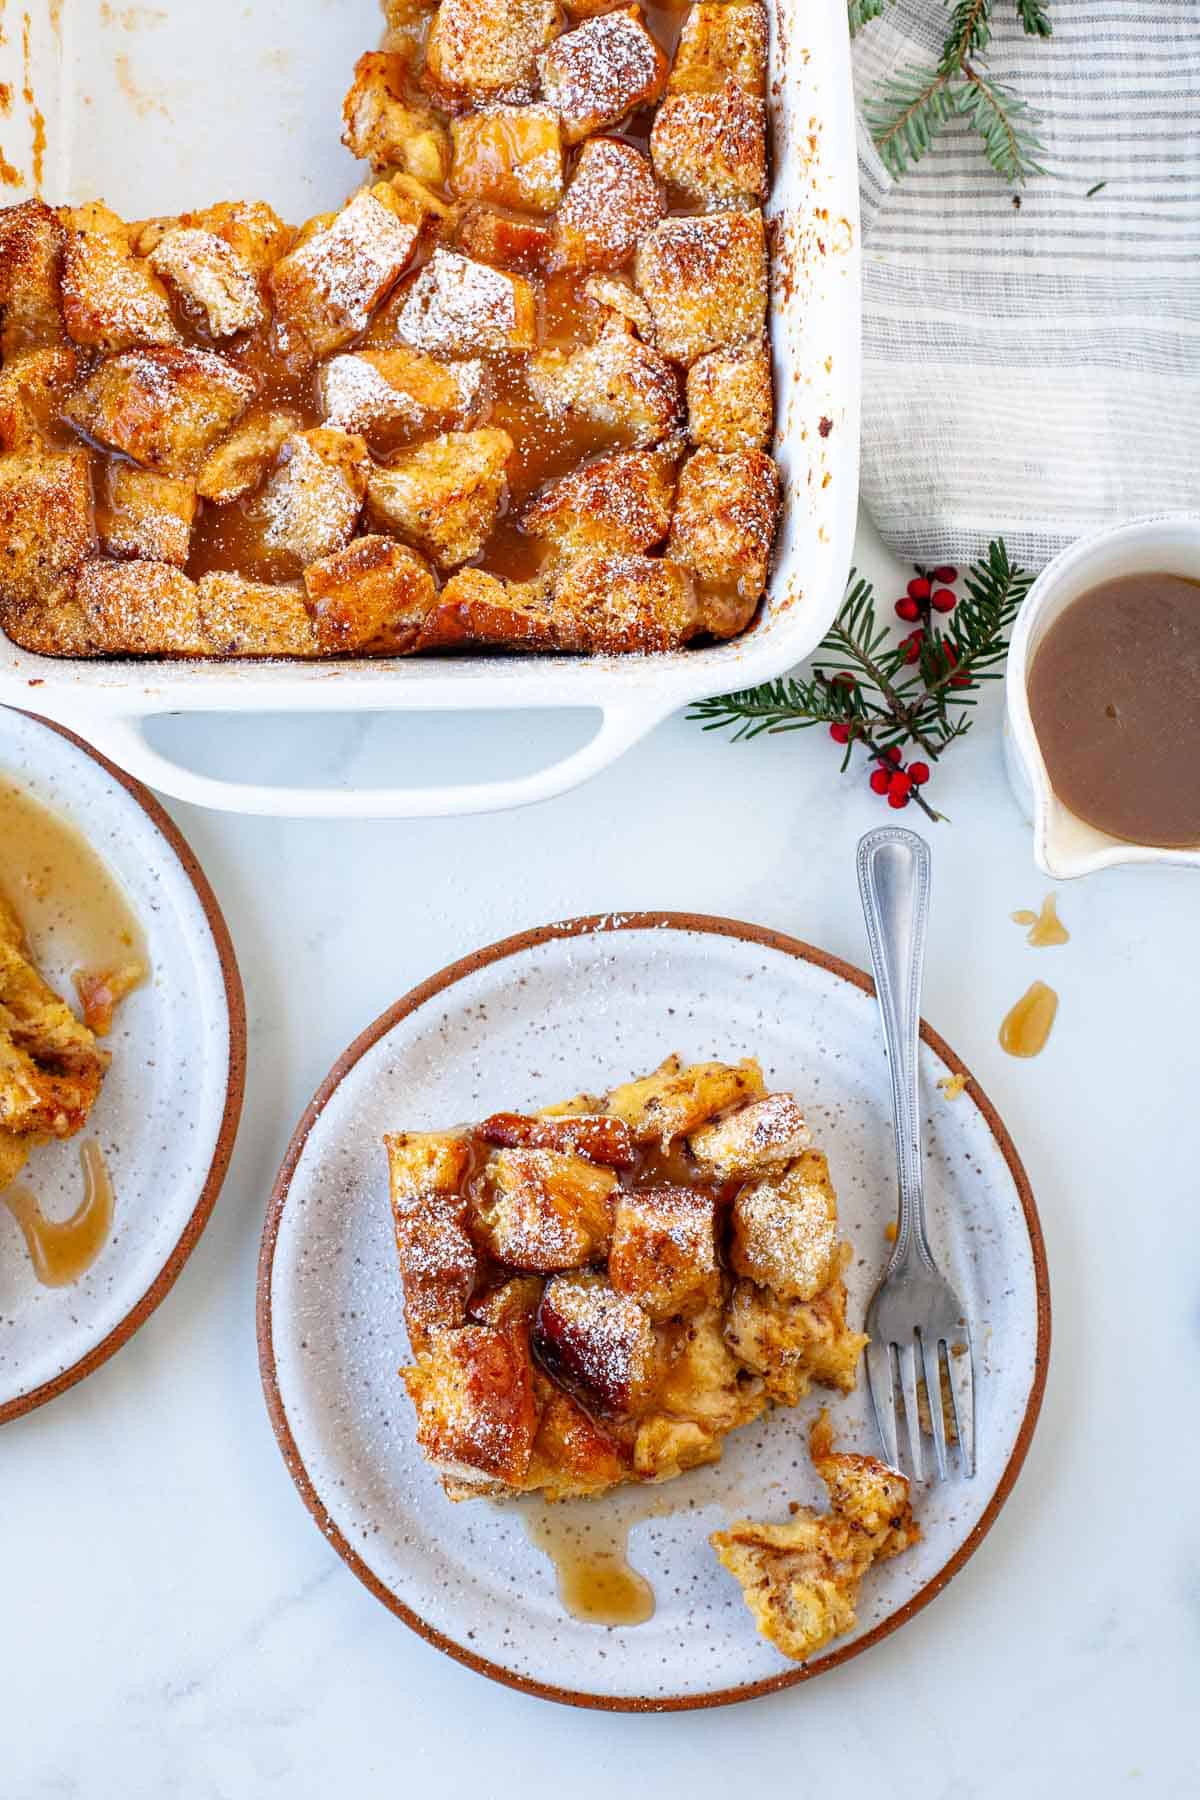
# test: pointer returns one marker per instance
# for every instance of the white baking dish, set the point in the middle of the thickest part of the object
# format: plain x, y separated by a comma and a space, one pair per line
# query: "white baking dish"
150, 112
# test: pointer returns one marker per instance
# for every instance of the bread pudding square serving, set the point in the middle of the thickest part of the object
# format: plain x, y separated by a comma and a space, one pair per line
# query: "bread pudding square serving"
599, 1292
556, 258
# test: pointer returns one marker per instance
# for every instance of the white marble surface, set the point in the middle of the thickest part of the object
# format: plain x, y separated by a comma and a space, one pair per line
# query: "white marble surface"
175, 1626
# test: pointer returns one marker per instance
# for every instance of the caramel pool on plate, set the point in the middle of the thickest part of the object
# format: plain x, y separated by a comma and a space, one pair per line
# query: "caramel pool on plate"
1114, 695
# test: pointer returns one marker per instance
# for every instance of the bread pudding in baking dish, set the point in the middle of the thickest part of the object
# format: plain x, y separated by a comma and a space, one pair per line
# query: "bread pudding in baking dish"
514, 393
599, 1293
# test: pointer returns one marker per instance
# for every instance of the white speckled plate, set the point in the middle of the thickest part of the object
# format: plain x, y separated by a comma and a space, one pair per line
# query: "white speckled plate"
530, 1021
168, 1110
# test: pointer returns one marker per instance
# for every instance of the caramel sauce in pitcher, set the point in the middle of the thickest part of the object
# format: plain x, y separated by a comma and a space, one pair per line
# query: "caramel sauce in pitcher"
1114, 695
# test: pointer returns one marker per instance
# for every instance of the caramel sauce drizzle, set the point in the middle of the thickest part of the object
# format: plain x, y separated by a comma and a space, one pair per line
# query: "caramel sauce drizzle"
589, 1548
62, 1250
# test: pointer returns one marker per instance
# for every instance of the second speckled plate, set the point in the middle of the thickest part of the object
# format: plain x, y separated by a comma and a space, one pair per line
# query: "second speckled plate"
529, 1021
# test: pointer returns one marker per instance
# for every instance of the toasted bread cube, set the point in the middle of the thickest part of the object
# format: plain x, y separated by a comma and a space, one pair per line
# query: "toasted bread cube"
785, 1229
373, 595
729, 399
32, 385
254, 618
163, 408
480, 50
476, 608
438, 1265
457, 307
376, 390
111, 299
721, 38
384, 127
330, 284
867, 1493
712, 147
510, 155
140, 608
46, 523
664, 1250
611, 199
705, 281
596, 1339
619, 503
763, 1134
426, 1162
792, 1343
618, 305
241, 461
545, 1210
473, 1393
599, 1139
620, 605
141, 514
500, 238
515, 1299
617, 381
415, 203
252, 229
212, 282
726, 510
602, 70
31, 245
310, 505
673, 1100
572, 1456
444, 495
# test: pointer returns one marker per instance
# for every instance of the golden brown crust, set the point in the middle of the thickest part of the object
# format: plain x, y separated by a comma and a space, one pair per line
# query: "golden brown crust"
611, 199
163, 408
373, 595
705, 281
619, 503
726, 508
600, 71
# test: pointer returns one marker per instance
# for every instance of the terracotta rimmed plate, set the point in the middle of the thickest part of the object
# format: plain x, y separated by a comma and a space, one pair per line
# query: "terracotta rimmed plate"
528, 1021
168, 1112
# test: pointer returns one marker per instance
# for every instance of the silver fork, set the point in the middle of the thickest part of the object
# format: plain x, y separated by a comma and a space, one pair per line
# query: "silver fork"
916, 1318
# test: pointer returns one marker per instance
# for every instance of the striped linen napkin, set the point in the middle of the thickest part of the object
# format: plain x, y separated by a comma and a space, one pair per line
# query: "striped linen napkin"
1034, 370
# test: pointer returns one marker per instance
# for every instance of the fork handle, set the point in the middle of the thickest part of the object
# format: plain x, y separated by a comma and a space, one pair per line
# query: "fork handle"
894, 881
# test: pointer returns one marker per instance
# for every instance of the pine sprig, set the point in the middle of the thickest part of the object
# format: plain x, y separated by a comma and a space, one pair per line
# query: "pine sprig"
915, 102
866, 684
862, 12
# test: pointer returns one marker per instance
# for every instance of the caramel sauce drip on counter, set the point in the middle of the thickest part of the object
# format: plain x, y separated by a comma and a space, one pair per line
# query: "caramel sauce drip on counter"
1046, 929
62, 1250
1027, 1026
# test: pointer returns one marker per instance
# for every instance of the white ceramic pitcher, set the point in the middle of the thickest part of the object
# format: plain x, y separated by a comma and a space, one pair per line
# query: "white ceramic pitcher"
1063, 844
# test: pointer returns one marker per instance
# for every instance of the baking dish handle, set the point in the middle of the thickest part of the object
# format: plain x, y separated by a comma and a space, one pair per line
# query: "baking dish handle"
123, 741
